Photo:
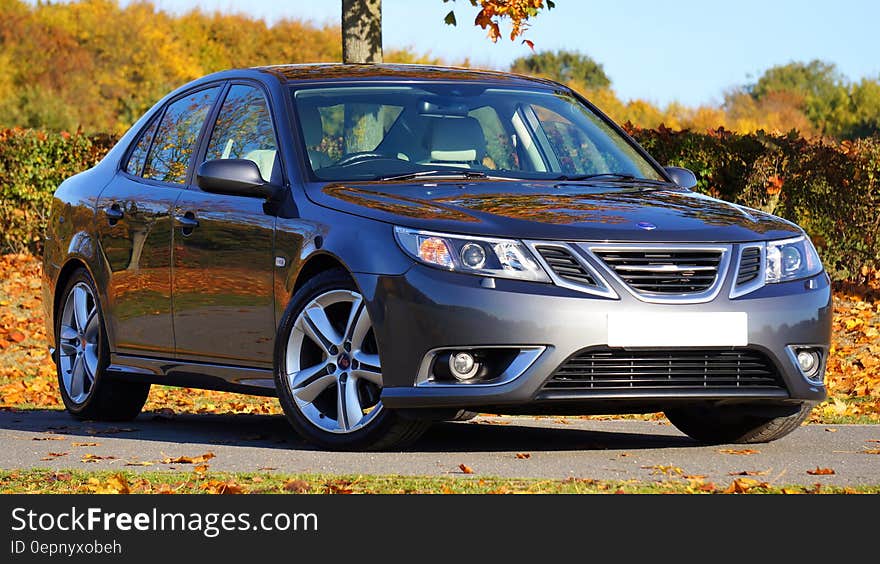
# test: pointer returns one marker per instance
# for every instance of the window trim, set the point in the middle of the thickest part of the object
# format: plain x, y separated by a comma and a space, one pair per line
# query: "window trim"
209, 130
160, 114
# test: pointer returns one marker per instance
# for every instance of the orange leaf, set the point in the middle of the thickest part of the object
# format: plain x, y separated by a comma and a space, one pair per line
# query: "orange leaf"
739, 451
466, 469
523, 455
188, 459
296, 486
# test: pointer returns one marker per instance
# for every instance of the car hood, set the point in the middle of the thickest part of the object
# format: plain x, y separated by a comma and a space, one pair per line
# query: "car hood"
545, 210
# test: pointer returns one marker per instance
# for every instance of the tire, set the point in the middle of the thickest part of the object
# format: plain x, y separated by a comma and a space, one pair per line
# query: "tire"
328, 373
82, 356
744, 425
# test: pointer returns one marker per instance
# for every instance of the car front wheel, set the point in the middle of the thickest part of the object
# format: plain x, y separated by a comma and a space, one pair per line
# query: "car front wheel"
328, 372
82, 357
738, 424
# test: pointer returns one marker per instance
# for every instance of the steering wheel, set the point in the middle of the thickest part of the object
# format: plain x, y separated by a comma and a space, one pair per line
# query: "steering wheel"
354, 158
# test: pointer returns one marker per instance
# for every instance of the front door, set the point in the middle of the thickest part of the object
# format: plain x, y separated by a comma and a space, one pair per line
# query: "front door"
223, 247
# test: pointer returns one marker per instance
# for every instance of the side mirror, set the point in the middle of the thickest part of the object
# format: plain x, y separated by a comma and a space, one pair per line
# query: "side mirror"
234, 177
682, 176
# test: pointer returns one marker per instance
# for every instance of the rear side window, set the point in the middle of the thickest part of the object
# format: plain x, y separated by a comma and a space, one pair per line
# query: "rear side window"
138, 156
244, 131
177, 135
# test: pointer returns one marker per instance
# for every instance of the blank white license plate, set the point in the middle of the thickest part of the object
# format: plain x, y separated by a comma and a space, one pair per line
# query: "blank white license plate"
685, 329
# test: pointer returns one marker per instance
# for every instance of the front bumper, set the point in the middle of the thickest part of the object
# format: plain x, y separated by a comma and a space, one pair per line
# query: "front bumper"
425, 309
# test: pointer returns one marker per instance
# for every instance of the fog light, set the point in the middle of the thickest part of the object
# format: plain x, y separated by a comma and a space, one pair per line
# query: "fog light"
807, 361
463, 366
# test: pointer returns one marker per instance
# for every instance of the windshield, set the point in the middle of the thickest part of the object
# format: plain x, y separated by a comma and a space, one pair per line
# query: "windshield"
364, 132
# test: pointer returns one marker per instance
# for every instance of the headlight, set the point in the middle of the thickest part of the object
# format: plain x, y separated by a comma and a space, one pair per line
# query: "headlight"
501, 258
791, 259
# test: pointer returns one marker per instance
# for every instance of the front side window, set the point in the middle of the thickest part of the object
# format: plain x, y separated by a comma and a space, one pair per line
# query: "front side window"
369, 132
176, 136
243, 130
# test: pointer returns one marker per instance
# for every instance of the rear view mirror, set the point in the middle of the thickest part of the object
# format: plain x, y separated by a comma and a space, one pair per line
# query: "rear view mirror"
234, 177
682, 176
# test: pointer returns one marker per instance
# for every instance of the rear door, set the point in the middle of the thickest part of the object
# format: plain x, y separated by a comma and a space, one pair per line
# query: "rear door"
223, 246
135, 226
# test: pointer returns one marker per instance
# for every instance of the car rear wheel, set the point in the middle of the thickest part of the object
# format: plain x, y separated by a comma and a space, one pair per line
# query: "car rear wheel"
328, 372
82, 355
737, 424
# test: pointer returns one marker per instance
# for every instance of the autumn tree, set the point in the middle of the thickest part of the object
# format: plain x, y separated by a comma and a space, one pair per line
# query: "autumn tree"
362, 23
563, 66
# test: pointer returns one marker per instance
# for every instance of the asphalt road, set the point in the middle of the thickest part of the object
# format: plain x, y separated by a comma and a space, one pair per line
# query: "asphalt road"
557, 448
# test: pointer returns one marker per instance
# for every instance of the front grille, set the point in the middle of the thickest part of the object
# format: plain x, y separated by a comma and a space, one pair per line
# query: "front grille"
619, 370
659, 271
749, 265
566, 266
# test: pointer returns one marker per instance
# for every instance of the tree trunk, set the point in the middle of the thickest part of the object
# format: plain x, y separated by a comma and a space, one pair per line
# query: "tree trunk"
361, 31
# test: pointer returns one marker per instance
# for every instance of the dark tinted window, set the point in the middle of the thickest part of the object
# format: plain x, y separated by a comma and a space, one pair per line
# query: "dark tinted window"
177, 135
138, 155
244, 130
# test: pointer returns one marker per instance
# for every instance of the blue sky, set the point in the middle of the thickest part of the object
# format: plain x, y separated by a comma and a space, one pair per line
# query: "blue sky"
685, 50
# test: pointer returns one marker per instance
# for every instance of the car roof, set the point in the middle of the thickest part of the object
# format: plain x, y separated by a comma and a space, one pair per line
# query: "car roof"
346, 72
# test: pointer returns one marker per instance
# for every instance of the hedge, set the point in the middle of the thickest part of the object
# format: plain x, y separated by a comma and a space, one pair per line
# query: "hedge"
32, 165
831, 189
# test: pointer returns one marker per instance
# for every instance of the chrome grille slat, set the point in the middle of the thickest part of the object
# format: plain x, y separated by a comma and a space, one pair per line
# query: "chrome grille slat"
659, 271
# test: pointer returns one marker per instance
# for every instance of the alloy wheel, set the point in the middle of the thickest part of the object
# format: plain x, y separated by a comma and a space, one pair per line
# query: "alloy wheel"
332, 363
78, 340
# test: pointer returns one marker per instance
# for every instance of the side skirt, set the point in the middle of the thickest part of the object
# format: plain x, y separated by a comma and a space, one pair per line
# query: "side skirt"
204, 375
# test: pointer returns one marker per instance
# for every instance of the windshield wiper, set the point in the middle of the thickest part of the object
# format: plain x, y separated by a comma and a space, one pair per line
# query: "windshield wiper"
629, 178
435, 174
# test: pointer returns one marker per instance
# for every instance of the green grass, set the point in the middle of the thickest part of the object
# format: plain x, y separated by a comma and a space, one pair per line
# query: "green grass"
78, 481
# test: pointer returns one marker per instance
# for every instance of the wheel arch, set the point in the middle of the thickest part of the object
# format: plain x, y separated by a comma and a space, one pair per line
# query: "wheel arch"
316, 264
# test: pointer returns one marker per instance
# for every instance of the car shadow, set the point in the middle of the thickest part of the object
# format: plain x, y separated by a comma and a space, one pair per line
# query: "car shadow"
273, 431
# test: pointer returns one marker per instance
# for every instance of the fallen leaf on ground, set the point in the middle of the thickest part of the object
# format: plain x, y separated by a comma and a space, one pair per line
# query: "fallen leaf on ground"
54, 455
138, 463
744, 485
188, 459
830, 430
338, 487
220, 487
523, 455
85, 444
466, 469
113, 485
748, 473
871, 451
296, 486
739, 451
664, 469
49, 439
821, 472
201, 469
95, 458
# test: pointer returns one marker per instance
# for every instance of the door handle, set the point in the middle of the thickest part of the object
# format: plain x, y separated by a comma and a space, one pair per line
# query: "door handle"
114, 213
187, 222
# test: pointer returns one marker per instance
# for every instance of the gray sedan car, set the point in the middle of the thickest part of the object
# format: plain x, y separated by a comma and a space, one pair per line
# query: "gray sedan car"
384, 246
